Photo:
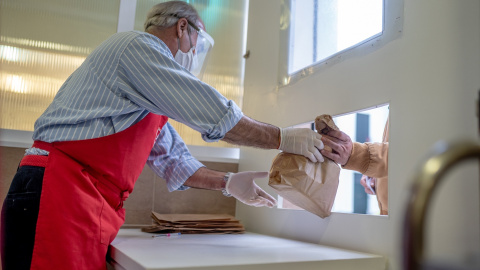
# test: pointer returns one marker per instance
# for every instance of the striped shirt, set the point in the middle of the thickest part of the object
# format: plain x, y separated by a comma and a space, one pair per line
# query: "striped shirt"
119, 83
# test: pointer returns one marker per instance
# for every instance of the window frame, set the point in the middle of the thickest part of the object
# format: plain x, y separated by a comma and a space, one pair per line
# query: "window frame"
392, 29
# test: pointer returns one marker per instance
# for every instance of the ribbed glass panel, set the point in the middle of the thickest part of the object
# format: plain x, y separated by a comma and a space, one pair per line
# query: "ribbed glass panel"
41, 44
225, 22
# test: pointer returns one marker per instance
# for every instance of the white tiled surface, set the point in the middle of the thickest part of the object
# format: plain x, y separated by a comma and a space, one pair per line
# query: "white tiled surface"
134, 250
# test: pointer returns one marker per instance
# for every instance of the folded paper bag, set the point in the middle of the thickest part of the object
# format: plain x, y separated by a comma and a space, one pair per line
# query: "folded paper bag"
324, 123
311, 186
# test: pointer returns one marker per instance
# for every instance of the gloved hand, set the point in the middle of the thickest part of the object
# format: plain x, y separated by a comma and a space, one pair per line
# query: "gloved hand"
242, 186
301, 141
369, 184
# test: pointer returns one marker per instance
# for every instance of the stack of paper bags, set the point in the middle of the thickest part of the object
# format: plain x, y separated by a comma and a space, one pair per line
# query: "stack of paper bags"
195, 224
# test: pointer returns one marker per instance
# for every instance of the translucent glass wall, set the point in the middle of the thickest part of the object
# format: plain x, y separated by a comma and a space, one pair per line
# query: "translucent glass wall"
41, 44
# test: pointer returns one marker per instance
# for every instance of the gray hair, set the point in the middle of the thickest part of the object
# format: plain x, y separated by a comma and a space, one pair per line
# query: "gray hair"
166, 14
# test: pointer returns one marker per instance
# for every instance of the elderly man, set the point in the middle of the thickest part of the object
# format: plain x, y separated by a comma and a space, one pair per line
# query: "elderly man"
109, 118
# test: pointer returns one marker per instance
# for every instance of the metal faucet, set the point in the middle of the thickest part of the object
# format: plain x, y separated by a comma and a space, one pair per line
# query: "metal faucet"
445, 156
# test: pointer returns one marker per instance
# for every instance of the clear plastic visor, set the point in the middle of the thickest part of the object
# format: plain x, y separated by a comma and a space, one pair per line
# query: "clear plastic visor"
202, 50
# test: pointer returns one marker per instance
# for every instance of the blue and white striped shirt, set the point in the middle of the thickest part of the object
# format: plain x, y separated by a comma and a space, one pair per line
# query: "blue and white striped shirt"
119, 83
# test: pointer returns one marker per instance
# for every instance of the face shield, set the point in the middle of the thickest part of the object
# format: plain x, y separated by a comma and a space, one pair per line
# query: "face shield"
204, 45
202, 49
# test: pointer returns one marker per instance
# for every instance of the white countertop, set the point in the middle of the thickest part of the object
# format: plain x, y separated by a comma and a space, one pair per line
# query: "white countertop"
133, 249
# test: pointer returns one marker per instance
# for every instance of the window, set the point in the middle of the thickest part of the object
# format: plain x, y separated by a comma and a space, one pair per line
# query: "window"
320, 29
362, 126
315, 33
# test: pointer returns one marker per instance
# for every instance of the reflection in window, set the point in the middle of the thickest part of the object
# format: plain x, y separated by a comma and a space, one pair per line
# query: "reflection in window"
362, 126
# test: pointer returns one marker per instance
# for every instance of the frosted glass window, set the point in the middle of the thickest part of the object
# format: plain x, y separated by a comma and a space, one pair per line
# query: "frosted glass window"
322, 28
226, 22
316, 34
41, 44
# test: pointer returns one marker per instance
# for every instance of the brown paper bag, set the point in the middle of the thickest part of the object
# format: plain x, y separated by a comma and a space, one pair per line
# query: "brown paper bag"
311, 186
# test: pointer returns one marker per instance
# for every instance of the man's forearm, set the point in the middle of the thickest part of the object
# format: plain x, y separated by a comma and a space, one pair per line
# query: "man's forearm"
249, 132
246, 132
205, 178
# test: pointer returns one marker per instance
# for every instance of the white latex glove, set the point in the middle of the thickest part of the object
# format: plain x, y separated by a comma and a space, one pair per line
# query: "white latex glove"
369, 184
242, 186
301, 141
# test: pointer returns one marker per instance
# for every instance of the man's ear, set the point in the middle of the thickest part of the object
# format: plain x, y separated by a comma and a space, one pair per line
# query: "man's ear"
182, 25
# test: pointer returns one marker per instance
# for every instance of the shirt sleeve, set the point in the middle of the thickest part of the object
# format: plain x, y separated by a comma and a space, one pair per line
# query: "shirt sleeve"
150, 77
370, 159
171, 160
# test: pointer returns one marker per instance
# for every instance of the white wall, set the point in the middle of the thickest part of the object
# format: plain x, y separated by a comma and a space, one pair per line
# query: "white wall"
430, 75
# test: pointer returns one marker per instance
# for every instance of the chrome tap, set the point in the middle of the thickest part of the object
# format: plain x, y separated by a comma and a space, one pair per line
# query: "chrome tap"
445, 157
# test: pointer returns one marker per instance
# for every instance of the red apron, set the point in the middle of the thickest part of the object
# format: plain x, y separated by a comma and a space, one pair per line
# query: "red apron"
84, 186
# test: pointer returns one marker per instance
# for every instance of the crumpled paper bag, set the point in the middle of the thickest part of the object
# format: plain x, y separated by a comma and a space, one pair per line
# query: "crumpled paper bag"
311, 186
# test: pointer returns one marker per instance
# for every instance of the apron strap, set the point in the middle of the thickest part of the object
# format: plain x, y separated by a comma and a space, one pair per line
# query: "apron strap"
34, 160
